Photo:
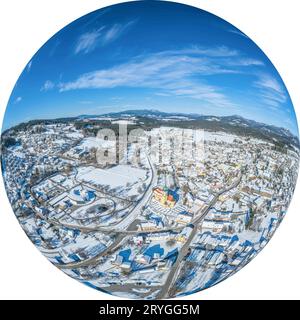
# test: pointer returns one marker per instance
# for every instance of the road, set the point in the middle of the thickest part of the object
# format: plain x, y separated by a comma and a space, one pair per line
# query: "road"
183, 252
123, 228
123, 225
119, 238
164, 293
93, 260
122, 234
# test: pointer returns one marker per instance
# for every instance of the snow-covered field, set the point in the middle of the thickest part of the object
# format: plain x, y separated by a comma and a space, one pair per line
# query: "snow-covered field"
219, 137
123, 122
94, 142
74, 135
118, 176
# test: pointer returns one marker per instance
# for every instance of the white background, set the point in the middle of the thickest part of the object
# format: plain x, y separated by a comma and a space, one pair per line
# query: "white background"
26, 25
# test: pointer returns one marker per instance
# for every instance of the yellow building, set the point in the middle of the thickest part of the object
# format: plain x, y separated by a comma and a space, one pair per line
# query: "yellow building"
163, 197
181, 238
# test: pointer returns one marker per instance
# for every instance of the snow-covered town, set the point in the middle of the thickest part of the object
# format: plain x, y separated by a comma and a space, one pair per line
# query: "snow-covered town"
161, 220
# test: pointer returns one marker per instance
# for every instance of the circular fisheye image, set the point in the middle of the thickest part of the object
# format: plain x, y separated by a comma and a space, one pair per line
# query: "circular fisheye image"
149, 150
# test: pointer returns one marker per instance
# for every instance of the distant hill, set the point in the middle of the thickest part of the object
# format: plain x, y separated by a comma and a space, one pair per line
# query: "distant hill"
149, 118
234, 124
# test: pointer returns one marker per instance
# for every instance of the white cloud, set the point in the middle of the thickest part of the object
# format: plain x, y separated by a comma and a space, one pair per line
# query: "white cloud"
238, 32
162, 94
271, 91
174, 72
218, 52
244, 62
115, 31
185, 73
48, 85
268, 82
88, 41
18, 100
151, 71
207, 93
86, 102
29, 65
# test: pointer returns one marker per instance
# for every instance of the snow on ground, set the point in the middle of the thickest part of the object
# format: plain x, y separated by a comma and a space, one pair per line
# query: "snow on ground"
59, 141
58, 178
75, 135
84, 212
153, 295
219, 137
174, 119
254, 236
124, 122
125, 294
93, 244
44, 185
141, 290
117, 176
68, 183
213, 119
57, 199
94, 142
99, 118
19, 154
199, 280
249, 235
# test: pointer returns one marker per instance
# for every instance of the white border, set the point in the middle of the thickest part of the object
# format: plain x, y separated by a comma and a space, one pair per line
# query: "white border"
26, 25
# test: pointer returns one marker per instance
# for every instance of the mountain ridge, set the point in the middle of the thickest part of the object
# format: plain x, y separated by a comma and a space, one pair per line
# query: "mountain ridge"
192, 116
233, 123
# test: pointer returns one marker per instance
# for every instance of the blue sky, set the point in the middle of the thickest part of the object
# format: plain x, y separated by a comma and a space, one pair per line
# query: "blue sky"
150, 54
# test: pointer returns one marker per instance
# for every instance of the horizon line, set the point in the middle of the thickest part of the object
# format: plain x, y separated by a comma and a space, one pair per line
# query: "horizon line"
153, 110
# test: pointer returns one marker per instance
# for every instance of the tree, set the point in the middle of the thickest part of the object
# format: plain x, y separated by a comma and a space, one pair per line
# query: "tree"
171, 242
9, 142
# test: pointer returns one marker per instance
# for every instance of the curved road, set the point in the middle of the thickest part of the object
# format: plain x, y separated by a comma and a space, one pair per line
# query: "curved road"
122, 235
164, 293
123, 228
